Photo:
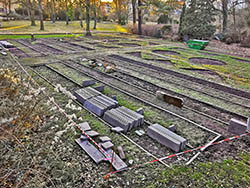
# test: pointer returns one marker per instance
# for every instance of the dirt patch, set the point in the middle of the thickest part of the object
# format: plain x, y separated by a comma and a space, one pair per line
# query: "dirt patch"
168, 62
241, 60
129, 44
208, 54
102, 46
152, 43
19, 53
136, 54
166, 52
206, 61
204, 72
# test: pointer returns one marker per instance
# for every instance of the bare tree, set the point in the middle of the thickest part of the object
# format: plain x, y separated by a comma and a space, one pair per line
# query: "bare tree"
134, 11
139, 17
88, 33
40, 9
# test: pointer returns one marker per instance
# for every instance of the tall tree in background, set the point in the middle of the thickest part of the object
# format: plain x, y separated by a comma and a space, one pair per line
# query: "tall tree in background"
225, 15
88, 33
40, 9
199, 19
67, 12
183, 12
139, 17
134, 11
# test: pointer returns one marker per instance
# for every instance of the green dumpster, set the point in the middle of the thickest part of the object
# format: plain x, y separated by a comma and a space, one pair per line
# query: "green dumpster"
198, 44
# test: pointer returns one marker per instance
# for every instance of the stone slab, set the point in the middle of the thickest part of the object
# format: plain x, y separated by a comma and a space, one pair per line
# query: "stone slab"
105, 139
92, 133
171, 134
85, 126
117, 163
237, 127
99, 88
133, 114
121, 153
117, 129
176, 101
140, 111
91, 150
107, 145
172, 128
92, 91
139, 133
248, 124
110, 99
83, 137
106, 102
83, 95
113, 118
6, 44
164, 139
131, 120
87, 83
95, 107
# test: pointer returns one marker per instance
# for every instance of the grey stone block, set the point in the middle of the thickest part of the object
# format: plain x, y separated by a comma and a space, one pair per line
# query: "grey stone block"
171, 134
99, 88
83, 137
117, 163
114, 98
87, 83
131, 113
139, 133
85, 126
110, 104
121, 153
107, 145
140, 111
95, 107
92, 133
84, 94
237, 127
117, 129
6, 44
248, 124
164, 139
92, 91
172, 128
110, 99
133, 121
104, 139
115, 120
91, 150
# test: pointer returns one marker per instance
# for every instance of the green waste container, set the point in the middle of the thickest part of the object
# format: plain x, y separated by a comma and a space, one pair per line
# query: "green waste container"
198, 44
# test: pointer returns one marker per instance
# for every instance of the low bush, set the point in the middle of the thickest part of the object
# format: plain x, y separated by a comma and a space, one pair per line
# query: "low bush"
245, 42
147, 30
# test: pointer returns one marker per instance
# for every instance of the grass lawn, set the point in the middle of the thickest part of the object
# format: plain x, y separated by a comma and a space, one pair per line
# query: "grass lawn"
23, 27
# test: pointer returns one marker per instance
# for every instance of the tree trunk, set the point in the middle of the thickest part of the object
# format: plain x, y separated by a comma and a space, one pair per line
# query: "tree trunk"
225, 15
67, 14
81, 16
183, 12
53, 12
41, 15
134, 11
32, 12
95, 19
88, 33
139, 18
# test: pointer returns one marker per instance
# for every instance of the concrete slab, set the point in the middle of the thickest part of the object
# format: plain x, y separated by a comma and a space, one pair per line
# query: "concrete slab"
105, 139
107, 145
133, 114
115, 120
134, 121
110, 99
87, 83
85, 126
248, 124
140, 111
83, 137
117, 163
106, 102
237, 127
6, 44
139, 133
121, 153
95, 107
171, 134
172, 128
92, 91
91, 150
164, 139
117, 129
99, 88
92, 133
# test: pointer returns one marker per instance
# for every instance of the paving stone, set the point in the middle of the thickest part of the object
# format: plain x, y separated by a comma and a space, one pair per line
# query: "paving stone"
92, 133
248, 124
95, 107
140, 111
137, 116
133, 121
6, 44
113, 118
172, 128
139, 133
173, 135
121, 153
85, 126
107, 145
91, 150
117, 163
106, 101
117, 129
104, 139
164, 139
82, 95
237, 127
87, 83
83, 137
99, 88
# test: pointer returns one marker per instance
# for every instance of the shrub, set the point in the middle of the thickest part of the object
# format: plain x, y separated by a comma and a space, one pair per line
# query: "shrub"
245, 42
147, 30
122, 20
163, 19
